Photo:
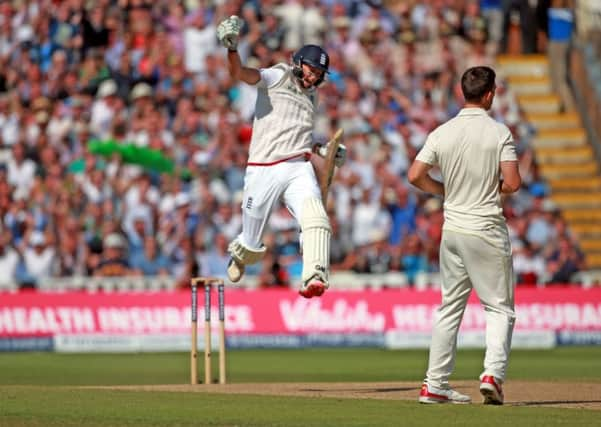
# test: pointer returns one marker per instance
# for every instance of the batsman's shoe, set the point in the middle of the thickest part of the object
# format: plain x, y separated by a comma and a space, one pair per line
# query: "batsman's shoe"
492, 390
429, 394
235, 270
313, 287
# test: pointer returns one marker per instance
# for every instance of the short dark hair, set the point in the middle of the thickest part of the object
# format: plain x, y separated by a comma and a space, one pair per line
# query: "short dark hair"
476, 82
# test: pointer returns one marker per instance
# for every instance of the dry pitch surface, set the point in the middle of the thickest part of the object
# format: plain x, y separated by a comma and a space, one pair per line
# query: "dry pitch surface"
517, 393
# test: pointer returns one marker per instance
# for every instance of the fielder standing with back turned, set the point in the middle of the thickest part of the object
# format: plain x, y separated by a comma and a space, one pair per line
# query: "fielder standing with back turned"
472, 151
278, 166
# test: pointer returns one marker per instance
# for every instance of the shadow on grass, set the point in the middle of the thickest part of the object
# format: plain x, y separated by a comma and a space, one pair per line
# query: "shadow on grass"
551, 402
364, 390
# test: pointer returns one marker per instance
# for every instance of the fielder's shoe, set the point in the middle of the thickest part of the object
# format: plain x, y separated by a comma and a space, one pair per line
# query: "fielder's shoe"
492, 390
313, 287
235, 270
429, 394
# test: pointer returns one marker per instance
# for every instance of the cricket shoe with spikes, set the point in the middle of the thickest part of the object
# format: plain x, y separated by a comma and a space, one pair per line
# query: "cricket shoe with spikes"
314, 287
430, 394
492, 390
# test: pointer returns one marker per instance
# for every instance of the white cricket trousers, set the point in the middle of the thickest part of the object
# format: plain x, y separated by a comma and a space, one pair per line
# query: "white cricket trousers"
291, 181
481, 260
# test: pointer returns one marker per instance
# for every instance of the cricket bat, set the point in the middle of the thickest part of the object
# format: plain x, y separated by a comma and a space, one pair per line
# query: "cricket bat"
329, 167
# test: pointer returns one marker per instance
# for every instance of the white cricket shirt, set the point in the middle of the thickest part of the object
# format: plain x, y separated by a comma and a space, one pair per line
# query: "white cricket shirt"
468, 149
284, 117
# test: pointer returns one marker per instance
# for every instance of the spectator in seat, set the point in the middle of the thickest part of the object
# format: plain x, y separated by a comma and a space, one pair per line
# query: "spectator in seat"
413, 259
21, 170
150, 261
529, 265
273, 273
113, 261
38, 259
213, 261
564, 262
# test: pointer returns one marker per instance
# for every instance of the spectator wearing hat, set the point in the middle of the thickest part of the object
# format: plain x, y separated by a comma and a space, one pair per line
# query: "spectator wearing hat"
104, 108
113, 261
141, 93
38, 259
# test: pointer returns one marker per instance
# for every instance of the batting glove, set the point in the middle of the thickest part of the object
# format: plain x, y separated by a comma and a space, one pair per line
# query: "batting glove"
340, 156
228, 32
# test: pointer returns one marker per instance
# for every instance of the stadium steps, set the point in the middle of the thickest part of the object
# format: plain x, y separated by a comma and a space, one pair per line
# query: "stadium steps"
529, 85
580, 215
577, 185
512, 66
566, 137
538, 104
591, 244
587, 170
589, 230
559, 155
562, 150
593, 260
577, 200
544, 121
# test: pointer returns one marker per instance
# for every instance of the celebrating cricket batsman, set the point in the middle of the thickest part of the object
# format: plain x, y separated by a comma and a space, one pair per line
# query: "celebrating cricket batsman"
278, 166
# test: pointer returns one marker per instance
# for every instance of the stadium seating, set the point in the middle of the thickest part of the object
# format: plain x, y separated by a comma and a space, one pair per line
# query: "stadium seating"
564, 155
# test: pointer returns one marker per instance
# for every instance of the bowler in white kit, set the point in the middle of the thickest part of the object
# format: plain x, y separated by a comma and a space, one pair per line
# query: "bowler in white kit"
477, 160
278, 167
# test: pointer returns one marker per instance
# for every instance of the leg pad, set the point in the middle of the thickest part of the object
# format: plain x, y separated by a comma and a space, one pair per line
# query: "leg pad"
316, 240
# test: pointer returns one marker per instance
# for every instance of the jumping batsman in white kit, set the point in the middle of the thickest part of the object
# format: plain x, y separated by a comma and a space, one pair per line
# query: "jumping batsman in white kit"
471, 151
278, 166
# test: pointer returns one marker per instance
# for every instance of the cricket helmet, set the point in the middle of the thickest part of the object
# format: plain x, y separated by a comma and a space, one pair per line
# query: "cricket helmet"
312, 55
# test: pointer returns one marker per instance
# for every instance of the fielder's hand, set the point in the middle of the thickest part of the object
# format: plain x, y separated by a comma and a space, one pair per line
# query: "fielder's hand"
340, 156
228, 32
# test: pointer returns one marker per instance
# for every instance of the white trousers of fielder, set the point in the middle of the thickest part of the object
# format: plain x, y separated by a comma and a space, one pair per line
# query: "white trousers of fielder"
481, 260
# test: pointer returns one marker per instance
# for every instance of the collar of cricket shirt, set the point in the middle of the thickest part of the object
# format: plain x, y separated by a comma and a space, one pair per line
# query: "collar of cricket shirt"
473, 111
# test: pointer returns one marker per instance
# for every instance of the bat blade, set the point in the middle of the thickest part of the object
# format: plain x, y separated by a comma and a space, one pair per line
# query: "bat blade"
330, 166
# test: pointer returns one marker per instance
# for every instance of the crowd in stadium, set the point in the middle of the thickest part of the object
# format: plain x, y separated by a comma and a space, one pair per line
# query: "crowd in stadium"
151, 74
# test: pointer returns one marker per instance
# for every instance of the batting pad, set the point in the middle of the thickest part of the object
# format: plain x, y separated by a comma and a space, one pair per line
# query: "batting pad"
316, 240
244, 255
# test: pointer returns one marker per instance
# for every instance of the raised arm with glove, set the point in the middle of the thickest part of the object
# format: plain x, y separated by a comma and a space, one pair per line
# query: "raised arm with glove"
228, 32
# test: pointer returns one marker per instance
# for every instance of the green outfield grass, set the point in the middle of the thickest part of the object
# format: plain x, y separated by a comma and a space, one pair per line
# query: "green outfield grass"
35, 389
